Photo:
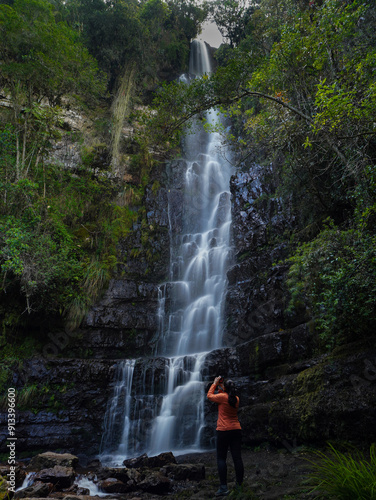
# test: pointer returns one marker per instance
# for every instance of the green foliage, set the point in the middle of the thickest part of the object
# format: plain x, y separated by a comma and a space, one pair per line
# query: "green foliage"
335, 274
59, 228
36, 397
231, 17
309, 98
59, 232
112, 31
242, 493
41, 56
345, 476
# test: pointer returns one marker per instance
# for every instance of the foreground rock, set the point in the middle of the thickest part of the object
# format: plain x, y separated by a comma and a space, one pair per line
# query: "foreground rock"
37, 490
50, 459
159, 475
270, 474
151, 462
60, 477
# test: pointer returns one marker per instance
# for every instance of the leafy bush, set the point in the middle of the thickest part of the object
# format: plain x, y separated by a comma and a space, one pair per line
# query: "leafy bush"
335, 276
346, 476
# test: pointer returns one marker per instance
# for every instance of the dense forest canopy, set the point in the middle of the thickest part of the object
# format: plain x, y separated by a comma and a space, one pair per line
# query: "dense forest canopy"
297, 79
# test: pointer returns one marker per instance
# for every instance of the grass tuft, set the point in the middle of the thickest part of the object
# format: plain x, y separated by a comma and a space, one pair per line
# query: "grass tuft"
345, 476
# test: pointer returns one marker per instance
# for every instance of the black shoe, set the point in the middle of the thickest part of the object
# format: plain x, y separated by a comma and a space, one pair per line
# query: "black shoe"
223, 491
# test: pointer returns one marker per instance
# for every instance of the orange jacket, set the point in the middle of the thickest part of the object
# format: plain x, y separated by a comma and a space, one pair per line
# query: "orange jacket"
227, 414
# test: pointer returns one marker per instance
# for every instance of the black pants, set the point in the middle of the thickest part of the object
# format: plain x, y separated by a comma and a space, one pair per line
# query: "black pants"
232, 440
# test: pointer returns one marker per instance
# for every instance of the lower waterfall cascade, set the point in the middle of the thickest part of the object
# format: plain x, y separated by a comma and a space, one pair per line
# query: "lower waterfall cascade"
158, 402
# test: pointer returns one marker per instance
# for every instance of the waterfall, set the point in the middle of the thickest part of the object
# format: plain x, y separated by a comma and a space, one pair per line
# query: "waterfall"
167, 410
117, 418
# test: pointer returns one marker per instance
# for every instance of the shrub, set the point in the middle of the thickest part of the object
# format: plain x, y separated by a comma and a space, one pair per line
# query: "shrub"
334, 275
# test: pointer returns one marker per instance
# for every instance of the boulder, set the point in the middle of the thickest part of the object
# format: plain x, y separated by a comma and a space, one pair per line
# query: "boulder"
113, 485
77, 490
161, 460
121, 474
82, 491
94, 464
49, 459
61, 477
20, 474
136, 462
36, 490
183, 472
156, 483
150, 462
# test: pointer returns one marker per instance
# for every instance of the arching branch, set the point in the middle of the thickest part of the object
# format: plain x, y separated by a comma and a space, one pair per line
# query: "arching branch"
211, 103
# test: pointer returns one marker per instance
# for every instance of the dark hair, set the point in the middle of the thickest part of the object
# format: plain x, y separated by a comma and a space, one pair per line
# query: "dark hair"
230, 388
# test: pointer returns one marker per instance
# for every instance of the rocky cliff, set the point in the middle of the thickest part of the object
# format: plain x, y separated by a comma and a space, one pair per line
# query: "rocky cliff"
294, 394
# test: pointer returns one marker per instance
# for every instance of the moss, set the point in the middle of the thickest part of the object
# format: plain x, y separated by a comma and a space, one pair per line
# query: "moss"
3, 489
243, 256
298, 413
310, 380
35, 398
254, 358
349, 349
155, 187
5, 374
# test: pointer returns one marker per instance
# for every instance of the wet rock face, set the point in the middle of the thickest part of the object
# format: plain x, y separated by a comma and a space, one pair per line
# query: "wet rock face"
289, 395
286, 394
124, 323
256, 298
249, 224
316, 400
65, 410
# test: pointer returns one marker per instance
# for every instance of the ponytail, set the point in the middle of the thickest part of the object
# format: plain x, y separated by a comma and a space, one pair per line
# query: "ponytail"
231, 390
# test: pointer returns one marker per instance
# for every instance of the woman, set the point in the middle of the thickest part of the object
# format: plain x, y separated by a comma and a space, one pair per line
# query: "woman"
229, 434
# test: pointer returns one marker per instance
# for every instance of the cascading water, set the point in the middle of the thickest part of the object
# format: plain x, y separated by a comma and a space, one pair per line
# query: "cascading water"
167, 410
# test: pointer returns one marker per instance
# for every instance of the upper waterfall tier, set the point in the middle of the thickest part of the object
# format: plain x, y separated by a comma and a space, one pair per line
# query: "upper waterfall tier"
199, 61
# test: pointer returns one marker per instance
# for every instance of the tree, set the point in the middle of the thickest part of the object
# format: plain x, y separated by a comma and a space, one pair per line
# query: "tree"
154, 34
112, 31
231, 17
42, 58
